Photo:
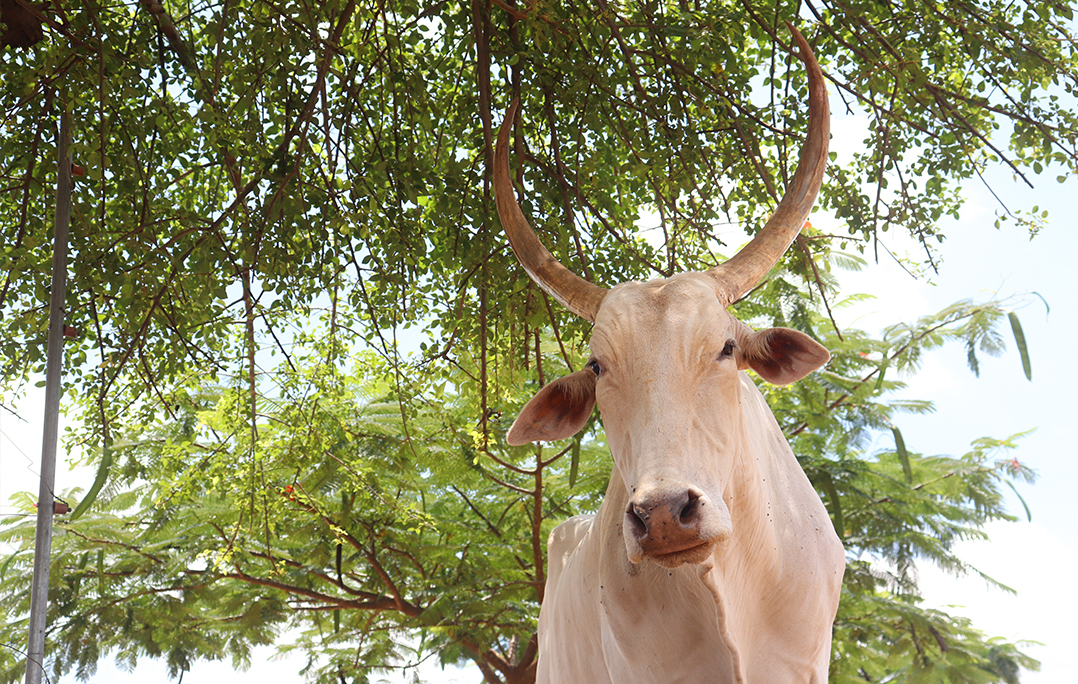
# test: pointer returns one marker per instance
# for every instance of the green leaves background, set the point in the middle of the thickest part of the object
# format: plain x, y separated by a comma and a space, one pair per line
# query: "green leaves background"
282, 200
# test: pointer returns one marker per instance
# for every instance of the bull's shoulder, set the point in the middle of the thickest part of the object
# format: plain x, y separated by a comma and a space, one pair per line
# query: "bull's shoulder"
566, 537
570, 649
563, 540
571, 531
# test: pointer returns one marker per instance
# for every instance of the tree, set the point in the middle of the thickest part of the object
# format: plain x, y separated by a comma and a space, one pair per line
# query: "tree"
270, 187
377, 527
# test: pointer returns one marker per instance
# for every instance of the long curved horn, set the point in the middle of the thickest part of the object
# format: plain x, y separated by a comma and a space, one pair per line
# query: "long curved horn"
574, 293
741, 272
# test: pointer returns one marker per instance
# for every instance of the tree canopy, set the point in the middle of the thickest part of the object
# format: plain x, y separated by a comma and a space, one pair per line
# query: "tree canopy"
281, 199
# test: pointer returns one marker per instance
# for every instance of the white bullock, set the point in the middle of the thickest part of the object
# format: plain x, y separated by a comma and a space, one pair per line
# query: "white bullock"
712, 558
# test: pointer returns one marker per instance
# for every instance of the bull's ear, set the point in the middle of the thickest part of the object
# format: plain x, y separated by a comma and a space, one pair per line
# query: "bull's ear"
782, 355
558, 411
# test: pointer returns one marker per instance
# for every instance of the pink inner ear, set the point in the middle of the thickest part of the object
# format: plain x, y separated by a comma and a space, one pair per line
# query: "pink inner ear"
782, 355
558, 411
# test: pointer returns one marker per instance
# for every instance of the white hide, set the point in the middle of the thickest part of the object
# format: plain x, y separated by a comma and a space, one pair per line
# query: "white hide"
758, 611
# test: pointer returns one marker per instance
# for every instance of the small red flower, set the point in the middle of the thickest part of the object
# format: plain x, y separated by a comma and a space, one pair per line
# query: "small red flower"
59, 507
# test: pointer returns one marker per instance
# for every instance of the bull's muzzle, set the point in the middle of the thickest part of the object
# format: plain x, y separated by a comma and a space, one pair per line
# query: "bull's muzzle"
674, 526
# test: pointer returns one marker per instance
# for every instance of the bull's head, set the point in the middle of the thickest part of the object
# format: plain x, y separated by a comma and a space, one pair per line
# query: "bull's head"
665, 361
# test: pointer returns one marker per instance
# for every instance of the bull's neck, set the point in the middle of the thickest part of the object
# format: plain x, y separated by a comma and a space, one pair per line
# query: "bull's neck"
701, 634
748, 495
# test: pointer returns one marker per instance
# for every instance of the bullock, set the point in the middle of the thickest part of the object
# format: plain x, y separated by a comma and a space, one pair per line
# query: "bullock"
712, 558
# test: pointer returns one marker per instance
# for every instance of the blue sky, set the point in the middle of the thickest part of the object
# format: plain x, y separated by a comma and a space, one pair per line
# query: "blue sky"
980, 262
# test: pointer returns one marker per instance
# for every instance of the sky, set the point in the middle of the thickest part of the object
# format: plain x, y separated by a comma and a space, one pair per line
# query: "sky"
1037, 558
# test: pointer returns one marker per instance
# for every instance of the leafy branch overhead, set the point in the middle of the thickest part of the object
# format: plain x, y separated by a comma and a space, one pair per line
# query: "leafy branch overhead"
301, 334
306, 152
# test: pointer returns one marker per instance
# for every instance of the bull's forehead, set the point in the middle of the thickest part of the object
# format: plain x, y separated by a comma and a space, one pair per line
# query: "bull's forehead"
669, 315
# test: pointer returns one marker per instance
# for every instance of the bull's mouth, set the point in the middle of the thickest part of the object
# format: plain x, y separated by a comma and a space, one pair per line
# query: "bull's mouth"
692, 555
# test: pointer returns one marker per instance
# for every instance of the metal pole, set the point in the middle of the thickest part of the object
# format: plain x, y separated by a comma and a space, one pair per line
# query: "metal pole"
39, 594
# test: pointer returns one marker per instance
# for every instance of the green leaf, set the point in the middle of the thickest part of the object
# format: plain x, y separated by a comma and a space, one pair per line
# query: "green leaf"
574, 459
101, 590
836, 505
99, 481
4, 567
1020, 340
1029, 515
903, 455
879, 378
1047, 309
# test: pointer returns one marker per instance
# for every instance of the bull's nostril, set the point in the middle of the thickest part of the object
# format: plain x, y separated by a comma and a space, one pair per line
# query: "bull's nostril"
690, 510
637, 517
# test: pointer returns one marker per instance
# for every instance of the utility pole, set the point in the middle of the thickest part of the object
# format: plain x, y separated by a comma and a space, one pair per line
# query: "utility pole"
39, 594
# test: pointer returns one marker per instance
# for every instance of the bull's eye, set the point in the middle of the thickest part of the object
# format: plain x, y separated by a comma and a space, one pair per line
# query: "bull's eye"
594, 366
728, 350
